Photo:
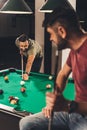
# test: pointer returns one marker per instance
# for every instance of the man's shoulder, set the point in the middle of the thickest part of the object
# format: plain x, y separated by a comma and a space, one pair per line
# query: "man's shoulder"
31, 40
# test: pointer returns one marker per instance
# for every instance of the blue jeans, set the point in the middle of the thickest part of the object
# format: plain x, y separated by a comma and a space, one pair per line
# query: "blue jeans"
61, 121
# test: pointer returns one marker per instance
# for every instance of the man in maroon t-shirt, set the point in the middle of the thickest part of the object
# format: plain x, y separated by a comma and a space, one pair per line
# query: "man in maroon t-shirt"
65, 31
77, 60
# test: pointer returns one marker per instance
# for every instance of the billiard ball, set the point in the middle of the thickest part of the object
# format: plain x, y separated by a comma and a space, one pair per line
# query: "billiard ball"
13, 101
48, 86
23, 89
6, 78
11, 98
16, 98
1, 91
22, 83
50, 77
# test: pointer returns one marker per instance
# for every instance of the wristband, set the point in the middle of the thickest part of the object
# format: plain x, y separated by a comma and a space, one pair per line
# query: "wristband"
73, 106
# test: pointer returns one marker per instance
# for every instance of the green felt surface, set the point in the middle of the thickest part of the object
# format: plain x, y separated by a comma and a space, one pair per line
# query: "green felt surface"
33, 99
69, 92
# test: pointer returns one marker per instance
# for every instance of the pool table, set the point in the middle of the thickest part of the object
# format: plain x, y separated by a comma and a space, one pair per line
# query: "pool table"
29, 102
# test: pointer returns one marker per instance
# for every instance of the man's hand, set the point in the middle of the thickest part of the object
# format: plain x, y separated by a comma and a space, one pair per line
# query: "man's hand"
50, 102
25, 76
55, 102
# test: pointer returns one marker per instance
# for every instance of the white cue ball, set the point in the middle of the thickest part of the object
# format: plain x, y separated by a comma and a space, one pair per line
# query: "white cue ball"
50, 77
22, 83
48, 86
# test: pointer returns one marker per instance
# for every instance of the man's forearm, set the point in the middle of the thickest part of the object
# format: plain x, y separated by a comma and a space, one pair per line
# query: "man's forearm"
29, 63
28, 68
61, 82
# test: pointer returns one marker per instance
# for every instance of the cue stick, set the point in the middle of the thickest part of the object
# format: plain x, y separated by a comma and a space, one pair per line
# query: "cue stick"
56, 68
22, 65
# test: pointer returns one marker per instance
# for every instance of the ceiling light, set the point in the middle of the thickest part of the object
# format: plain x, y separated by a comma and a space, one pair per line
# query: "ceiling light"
50, 5
16, 7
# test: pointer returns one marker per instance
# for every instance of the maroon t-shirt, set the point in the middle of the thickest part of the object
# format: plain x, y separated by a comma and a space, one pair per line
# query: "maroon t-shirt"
77, 60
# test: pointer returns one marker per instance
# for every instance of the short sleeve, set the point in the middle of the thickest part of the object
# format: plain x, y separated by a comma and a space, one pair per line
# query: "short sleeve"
32, 51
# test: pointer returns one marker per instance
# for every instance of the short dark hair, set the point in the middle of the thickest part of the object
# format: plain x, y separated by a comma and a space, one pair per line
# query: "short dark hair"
67, 17
23, 38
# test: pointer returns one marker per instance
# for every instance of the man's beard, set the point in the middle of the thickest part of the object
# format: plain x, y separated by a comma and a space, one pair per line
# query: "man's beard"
26, 49
62, 44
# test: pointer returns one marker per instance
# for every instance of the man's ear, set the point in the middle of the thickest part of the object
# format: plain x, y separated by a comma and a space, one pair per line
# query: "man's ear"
61, 32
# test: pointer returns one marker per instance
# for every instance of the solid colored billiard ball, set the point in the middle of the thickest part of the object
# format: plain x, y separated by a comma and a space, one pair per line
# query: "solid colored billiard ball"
22, 83
6, 78
48, 86
23, 89
1, 91
50, 77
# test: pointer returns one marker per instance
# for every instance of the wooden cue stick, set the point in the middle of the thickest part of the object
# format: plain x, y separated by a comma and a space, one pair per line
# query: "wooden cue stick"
22, 65
56, 68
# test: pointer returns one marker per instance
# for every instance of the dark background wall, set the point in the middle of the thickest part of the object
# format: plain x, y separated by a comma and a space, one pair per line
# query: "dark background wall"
81, 8
12, 26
